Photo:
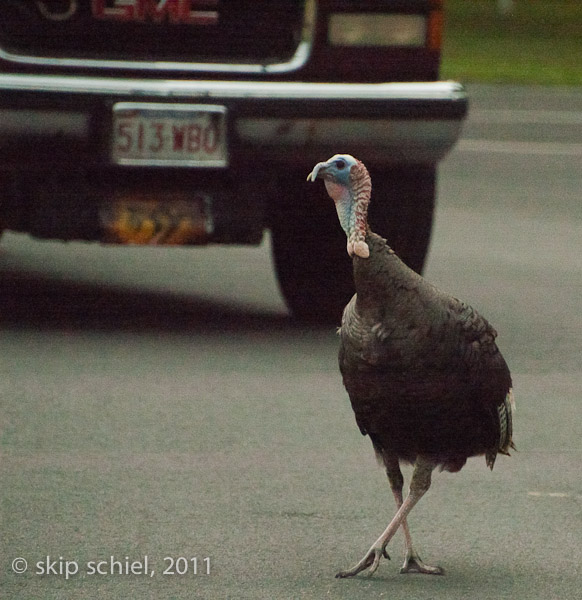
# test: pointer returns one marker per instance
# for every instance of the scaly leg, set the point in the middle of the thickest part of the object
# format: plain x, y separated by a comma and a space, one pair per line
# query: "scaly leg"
412, 562
419, 484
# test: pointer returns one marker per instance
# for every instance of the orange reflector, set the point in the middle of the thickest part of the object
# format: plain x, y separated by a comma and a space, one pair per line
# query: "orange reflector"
434, 34
163, 221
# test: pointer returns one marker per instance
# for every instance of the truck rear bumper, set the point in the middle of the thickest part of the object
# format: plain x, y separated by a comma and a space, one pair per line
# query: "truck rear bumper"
382, 123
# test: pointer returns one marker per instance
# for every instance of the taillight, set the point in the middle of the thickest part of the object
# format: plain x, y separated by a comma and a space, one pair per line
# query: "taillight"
372, 29
398, 25
381, 40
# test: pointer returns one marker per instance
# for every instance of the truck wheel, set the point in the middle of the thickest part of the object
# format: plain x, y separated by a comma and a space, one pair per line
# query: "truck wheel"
309, 247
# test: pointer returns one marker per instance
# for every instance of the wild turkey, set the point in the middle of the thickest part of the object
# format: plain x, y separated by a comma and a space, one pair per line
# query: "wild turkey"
425, 378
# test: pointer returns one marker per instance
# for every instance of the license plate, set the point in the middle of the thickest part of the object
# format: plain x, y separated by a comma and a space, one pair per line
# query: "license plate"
157, 217
179, 135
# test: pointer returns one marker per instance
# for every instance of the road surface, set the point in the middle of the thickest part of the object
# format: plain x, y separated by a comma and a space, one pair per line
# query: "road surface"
159, 412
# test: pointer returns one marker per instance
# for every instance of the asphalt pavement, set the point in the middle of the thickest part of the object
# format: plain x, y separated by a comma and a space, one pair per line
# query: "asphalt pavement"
166, 432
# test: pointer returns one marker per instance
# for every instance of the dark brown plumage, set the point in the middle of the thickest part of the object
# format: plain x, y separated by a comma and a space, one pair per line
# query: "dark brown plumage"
422, 369
425, 378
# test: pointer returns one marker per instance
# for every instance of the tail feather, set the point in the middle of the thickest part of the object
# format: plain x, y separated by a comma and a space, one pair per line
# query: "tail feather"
505, 412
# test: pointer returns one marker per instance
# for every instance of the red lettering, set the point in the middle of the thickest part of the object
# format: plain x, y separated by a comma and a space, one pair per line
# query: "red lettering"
140, 136
122, 10
178, 135
123, 133
159, 137
199, 17
173, 11
210, 140
157, 10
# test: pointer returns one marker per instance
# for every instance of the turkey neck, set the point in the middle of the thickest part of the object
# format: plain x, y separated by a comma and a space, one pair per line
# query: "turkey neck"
380, 279
351, 203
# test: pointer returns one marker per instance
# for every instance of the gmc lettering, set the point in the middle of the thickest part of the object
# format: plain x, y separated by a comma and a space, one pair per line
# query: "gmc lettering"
188, 12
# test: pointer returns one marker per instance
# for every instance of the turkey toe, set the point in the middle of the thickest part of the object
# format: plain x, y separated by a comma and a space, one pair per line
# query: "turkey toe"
413, 564
370, 561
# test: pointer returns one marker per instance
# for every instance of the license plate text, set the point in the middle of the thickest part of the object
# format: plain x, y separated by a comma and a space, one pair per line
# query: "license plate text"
158, 136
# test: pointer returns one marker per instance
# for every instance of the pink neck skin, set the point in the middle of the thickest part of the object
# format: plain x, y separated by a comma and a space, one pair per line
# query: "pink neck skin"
352, 212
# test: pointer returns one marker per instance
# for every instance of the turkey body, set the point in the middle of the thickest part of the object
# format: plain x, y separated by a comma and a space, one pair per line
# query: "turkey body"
422, 370
425, 378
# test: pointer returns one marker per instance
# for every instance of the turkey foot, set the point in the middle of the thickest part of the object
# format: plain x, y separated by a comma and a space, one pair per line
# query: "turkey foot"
419, 484
370, 561
413, 564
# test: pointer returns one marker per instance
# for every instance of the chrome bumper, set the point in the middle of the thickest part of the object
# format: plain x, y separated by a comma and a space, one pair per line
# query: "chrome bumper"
384, 123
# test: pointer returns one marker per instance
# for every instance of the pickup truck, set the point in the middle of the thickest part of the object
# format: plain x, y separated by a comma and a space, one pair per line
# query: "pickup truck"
197, 121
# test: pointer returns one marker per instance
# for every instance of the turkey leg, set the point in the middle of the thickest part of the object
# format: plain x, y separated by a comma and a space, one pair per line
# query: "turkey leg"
412, 562
419, 484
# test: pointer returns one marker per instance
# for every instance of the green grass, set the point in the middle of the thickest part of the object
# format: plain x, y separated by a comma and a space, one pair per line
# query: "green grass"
540, 42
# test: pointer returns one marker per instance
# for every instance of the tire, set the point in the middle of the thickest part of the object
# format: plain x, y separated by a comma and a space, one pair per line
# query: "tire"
403, 211
309, 247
